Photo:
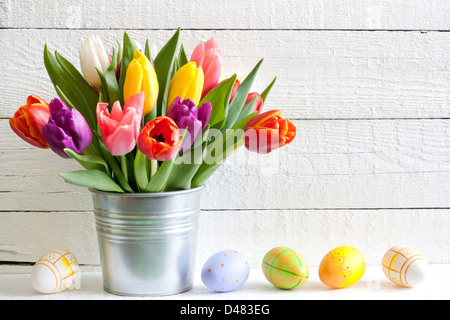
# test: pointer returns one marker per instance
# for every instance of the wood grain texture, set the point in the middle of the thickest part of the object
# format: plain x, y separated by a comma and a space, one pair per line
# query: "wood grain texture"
321, 75
367, 83
25, 236
227, 14
331, 164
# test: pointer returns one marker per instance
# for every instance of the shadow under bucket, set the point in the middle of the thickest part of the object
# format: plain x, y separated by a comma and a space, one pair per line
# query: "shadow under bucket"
147, 241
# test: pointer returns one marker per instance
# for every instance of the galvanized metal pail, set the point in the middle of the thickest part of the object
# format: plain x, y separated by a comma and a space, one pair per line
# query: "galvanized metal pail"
147, 242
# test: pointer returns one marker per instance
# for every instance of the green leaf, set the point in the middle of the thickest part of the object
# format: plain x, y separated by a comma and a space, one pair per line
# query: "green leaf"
241, 124
185, 168
203, 175
113, 163
62, 78
248, 110
89, 161
164, 63
82, 89
64, 97
267, 91
141, 170
201, 138
237, 104
129, 46
147, 51
124, 167
57, 76
159, 180
94, 179
227, 146
104, 94
65, 77
182, 57
111, 81
219, 97
119, 55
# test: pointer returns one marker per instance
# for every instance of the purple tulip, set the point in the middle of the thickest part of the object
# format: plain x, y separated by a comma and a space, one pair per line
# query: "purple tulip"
66, 129
187, 115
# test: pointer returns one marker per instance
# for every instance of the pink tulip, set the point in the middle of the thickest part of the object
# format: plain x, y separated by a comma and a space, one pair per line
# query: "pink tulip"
120, 128
209, 57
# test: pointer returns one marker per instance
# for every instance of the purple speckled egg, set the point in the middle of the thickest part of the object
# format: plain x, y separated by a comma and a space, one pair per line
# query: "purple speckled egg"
225, 271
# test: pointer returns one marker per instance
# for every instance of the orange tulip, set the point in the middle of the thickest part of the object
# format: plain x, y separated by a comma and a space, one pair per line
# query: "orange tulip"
160, 139
268, 131
28, 121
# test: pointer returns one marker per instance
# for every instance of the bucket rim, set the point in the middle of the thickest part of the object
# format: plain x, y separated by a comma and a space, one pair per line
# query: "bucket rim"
147, 195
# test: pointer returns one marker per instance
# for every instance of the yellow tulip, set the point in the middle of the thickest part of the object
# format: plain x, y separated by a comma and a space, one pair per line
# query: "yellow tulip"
187, 83
141, 77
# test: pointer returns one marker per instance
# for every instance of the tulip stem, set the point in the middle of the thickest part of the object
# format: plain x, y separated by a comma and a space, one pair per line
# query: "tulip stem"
153, 167
123, 162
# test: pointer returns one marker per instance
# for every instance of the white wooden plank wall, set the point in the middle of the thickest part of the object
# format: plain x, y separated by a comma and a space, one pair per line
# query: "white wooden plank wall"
365, 82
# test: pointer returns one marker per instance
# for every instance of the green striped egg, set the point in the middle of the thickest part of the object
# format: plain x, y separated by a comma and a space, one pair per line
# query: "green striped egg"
285, 268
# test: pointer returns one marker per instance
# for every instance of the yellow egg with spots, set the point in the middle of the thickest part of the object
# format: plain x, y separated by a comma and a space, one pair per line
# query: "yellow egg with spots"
342, 267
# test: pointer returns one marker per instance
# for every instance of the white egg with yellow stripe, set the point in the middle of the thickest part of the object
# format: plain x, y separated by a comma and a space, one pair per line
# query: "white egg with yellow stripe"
56, 271
404, 266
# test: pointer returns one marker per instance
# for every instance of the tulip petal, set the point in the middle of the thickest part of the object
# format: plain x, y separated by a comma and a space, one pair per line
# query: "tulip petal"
120, 129
262, 118
66, 129
121, 141
211, 44
133, 80
198, 55
268, 132
32, 99
26, 137
29, 119
160, 139
204, 113
58, 140
136, 102
212, 68
187, 83
80, 131
116, 112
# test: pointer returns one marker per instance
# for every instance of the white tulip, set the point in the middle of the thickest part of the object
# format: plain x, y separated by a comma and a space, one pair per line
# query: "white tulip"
93, 55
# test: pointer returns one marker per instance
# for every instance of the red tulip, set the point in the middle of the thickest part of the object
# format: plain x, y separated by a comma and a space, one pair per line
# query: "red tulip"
236, 85
259, 101
28, 121
160, 139
267, 132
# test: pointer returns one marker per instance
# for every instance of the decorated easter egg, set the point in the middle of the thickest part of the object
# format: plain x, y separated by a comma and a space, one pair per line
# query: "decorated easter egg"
285, 268
56, 271
342, 267
225, 271
404, 266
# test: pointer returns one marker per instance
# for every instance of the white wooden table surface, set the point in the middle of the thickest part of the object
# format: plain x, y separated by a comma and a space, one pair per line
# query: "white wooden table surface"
373, 286
366, 82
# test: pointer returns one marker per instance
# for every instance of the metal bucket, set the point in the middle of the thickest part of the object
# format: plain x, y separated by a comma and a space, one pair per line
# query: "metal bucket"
147, 242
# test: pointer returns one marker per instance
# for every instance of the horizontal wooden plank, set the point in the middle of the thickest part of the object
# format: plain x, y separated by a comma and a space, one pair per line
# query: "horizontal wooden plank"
227, 14
321, 75
25, 236
331, 164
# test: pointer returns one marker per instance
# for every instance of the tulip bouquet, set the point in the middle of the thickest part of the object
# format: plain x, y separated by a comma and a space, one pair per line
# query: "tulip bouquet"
138, 124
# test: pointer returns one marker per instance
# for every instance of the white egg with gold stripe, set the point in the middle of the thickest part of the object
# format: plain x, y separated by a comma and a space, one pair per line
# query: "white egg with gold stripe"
404, 266
56, 271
